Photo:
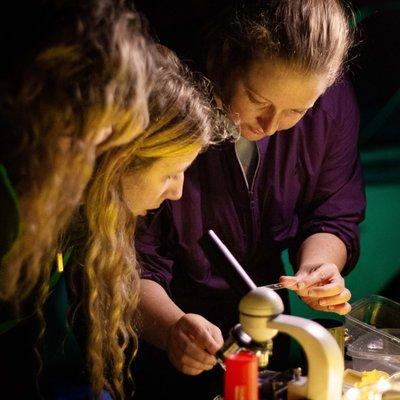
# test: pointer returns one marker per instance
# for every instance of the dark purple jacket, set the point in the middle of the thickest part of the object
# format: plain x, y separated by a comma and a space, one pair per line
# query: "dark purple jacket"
308, 180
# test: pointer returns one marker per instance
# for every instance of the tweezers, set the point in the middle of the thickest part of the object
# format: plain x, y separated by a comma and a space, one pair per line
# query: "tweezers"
275, 286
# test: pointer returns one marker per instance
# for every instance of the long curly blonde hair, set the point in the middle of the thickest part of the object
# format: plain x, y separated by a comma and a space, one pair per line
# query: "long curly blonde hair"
181, 120
87, 71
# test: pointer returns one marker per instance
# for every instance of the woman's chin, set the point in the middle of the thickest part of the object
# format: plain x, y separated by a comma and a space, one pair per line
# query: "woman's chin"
252, 135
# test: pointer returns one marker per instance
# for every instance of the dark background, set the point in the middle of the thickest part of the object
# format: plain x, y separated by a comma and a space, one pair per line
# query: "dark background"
375, 74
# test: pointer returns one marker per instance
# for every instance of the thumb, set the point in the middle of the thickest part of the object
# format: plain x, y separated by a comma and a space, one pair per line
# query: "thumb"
211, 344
217, 336
200, 333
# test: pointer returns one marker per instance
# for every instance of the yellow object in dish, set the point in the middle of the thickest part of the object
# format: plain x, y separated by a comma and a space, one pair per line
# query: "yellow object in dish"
359, 379
366, 385
371, 378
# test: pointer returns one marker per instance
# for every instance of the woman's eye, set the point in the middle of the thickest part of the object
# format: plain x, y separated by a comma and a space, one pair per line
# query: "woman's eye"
254, 100
298, 112
259, 103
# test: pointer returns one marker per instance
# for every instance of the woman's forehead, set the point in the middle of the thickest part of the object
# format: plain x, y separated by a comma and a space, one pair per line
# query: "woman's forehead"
275, 81
178, 162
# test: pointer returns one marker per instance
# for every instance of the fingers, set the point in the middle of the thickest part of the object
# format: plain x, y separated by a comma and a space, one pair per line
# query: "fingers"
337, 304
186, 364
187, 349
320, 275
340, 309
324, 280
343, 297
187, 357
192, 360
332, 289
204, 339
321, 288
289, 282
192, 341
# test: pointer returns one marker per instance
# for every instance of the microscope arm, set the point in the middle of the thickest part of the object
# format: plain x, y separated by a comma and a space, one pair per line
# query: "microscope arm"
325, 360
261, 317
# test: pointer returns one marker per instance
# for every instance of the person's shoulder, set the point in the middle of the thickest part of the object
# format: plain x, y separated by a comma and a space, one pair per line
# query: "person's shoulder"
339, 100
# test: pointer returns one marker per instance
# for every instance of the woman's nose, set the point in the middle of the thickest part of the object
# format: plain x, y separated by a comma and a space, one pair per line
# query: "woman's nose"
269, 122
174, 191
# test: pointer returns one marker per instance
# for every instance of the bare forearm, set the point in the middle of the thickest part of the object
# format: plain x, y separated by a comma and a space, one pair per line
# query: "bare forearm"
157, 313
321, 248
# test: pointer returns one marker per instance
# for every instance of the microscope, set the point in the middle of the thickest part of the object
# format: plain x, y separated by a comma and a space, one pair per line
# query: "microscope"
261, 317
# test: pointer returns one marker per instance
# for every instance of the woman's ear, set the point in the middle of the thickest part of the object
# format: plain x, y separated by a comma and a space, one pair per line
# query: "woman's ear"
216, 61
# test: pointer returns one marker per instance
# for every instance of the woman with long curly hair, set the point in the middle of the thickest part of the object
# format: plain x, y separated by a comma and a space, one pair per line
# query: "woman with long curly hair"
128, 181
74, 82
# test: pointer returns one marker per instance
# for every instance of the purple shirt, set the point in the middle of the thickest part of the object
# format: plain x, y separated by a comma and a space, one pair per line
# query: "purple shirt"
308, 180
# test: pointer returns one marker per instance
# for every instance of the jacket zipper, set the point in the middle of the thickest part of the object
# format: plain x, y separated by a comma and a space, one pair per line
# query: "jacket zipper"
250, 193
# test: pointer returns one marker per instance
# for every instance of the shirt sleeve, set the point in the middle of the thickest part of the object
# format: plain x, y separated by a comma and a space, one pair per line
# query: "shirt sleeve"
337, 205
153, 239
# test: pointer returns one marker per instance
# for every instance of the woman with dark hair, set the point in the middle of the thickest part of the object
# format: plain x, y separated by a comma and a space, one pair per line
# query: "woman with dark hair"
292, 181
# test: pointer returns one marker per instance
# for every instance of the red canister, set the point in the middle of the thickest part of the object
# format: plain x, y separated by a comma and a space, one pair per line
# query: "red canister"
241, 377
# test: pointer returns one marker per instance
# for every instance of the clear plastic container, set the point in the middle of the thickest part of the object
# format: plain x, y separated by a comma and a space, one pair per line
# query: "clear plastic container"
374, 334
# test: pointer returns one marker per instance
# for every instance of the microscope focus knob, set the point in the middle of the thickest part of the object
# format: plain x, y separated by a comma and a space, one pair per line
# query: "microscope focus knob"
261, 302
256, 308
